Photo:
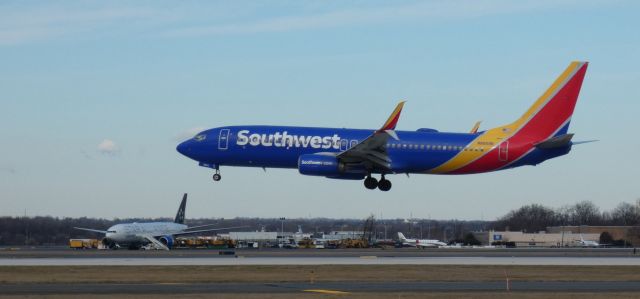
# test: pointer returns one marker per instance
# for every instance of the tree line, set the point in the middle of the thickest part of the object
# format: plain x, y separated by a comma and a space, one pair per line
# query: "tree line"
535, 217
46, 230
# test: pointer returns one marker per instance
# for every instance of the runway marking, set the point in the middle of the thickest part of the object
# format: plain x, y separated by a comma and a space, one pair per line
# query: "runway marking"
331, 292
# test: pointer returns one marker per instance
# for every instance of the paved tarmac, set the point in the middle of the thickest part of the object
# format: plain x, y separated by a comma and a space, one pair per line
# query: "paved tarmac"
60, 256
325, 287
364, 260
63, 252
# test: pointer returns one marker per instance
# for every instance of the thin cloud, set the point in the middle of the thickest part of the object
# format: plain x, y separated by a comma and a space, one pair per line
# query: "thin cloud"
108, 147
434, 11
20, 24
86, 155
8, 169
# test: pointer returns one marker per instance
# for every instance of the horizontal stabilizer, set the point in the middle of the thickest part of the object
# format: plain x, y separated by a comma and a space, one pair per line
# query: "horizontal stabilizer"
555, 142
583, 142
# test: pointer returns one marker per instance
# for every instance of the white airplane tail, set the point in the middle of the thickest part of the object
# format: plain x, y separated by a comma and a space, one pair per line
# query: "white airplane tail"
401, 236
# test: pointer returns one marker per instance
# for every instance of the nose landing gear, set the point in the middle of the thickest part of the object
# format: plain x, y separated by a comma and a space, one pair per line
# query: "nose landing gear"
217, 176
372, 183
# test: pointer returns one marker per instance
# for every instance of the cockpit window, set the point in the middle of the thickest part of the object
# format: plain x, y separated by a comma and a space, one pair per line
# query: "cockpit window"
200, 137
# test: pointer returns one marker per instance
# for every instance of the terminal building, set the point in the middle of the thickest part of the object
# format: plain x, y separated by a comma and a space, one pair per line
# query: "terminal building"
540, 239
343, 235
630, 234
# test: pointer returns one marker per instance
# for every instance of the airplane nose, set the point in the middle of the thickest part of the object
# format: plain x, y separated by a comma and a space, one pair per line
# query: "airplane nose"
184, 148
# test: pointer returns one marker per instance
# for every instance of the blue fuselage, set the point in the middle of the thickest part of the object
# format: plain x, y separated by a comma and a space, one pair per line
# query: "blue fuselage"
280, 147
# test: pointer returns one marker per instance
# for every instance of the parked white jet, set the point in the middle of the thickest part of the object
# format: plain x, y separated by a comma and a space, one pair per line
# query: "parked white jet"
587, 243
160, 234
420, 243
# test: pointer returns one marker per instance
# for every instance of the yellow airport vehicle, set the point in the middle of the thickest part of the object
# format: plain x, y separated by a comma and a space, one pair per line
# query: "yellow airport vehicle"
83, 243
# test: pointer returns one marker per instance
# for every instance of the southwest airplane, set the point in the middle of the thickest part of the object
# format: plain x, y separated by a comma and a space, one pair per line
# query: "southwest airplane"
538, 135
160, 234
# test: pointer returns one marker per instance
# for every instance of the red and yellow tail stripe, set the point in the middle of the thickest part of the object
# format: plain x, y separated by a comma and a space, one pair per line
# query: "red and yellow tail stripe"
551, 111
392, 121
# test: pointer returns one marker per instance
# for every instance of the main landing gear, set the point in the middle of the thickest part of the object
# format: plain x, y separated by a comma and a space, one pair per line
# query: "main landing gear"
371, 183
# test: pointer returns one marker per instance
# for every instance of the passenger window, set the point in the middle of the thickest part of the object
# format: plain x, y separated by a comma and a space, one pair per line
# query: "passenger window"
422, 146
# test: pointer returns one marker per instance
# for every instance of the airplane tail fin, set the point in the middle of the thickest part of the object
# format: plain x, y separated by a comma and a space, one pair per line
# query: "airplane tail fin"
401, 236
180, 214
550, 115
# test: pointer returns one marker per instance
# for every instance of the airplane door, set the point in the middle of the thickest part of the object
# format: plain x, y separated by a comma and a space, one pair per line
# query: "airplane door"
223, 139
503, 151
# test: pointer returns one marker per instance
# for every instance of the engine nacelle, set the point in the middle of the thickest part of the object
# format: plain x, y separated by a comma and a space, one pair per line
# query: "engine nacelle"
320, 165
167, 241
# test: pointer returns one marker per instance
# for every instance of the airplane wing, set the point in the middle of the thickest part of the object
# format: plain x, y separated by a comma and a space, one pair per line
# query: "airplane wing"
204, 230
92, 230
155, 242
201, 226
371, 152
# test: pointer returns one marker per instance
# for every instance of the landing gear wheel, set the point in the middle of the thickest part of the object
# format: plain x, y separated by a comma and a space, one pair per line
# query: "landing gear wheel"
217, 177
370, 183
384, 184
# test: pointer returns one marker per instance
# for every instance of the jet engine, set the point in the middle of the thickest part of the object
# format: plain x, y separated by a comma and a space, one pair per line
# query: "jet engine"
320, 165
167, 241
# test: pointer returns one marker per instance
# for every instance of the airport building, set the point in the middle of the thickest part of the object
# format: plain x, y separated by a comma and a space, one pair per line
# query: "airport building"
343, 235
252, 239
629, 233
540, 239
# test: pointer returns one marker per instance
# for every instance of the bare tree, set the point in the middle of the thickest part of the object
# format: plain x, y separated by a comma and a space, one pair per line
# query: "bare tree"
626, 214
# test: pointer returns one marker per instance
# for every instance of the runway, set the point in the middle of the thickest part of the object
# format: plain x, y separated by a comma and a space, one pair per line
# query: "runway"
63, 252
363, 260
394, 256
325, 287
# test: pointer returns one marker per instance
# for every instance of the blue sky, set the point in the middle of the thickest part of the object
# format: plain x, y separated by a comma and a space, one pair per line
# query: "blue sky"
96, 95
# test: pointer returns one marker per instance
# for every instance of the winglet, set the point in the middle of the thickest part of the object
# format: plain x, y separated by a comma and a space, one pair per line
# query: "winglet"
476, 127
391, 122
